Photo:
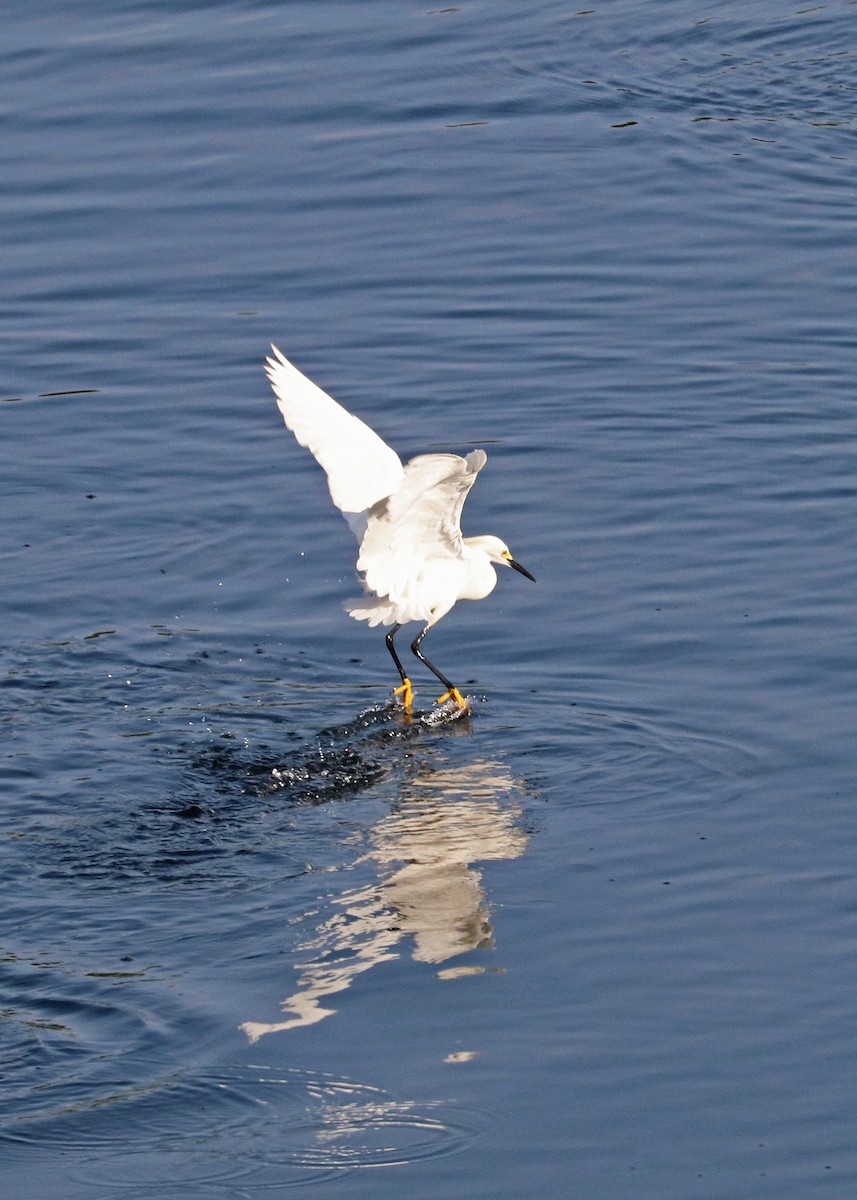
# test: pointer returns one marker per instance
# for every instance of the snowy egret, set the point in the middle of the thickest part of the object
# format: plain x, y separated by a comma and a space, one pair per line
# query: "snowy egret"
415, 563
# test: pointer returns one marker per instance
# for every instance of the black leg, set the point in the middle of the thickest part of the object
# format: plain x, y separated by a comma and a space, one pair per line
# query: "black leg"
392, 649
406, 691
451, 689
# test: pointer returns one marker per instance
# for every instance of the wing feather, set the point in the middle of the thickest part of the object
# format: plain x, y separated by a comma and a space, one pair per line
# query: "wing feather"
416, 532
361, 468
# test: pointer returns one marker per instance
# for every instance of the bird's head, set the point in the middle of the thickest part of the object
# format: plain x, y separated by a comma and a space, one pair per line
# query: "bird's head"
498, 552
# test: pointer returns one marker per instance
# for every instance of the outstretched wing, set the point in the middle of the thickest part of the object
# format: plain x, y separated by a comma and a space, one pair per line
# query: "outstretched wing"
414, 532
361, 469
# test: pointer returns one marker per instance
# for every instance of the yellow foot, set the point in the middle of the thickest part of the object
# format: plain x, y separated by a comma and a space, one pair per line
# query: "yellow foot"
406, 691
453, 694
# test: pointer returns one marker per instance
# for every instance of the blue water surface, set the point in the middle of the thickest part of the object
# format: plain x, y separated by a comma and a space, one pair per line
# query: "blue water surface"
258, 932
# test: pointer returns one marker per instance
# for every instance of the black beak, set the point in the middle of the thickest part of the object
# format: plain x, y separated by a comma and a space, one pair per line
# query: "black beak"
522, 570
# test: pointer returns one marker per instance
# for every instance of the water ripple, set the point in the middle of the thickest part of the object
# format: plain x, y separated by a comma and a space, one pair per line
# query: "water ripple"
266, 1127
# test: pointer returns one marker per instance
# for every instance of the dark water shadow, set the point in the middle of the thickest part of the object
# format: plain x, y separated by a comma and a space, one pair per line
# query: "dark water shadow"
339, 761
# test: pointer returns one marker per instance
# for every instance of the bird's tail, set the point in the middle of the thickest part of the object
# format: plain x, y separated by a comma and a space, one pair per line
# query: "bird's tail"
376, 612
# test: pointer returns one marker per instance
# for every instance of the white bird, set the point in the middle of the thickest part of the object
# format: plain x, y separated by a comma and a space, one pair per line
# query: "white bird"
415, 563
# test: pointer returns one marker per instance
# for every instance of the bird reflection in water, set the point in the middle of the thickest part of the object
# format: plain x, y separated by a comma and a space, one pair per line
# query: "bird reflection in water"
428, 889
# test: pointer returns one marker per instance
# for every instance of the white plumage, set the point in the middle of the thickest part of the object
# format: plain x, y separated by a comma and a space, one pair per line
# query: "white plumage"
407, 519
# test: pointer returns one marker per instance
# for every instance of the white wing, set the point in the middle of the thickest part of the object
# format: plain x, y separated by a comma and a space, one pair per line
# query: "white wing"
413, 540
361, 469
